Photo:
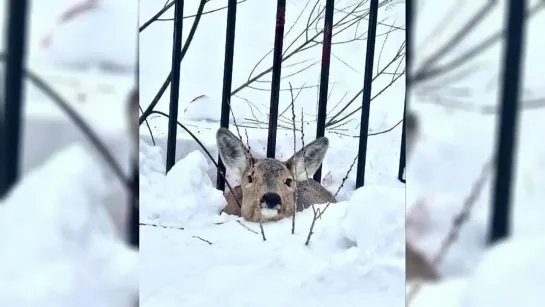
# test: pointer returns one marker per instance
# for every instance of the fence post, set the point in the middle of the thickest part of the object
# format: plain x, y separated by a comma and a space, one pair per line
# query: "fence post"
324, 77
366, 100
175, 84
507, 122
276, 72
402, 151
13, 96
227, 81
134, 194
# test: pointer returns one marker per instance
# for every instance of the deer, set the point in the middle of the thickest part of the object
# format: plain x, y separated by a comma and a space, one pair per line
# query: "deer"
270, 189
416, 266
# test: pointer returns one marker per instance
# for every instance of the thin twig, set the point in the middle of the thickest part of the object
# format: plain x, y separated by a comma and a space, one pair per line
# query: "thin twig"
204, 240
247, 228
294, 151
317, 213
461, 218
160, 226
149, 128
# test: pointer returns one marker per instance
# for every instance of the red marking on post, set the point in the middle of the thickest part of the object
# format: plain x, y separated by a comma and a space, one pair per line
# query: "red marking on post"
326, 51
78, 9
193, 100
281, 19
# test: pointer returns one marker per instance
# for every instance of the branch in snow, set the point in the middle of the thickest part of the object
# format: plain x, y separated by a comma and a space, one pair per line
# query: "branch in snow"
247, 228
161, 226
204, 240
317, 213
457, 224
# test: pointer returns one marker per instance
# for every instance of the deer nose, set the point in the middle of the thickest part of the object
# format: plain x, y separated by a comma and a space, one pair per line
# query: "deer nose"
271, 200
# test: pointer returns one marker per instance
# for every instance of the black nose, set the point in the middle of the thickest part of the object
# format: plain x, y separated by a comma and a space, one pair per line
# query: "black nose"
271, 200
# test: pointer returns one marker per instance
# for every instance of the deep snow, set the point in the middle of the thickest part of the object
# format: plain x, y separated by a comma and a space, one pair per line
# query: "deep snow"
356, 253
61, 226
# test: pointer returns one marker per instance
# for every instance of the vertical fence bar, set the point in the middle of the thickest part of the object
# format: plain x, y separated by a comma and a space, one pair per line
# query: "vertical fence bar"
324, 77
227, 80
402, 150
366, 100
276, 72
134, 214
134, 103
13, 100
175, 84
507, 122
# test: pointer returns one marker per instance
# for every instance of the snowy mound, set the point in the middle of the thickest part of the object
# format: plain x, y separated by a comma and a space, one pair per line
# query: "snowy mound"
510, 273
206, 108
184, 197
59, 232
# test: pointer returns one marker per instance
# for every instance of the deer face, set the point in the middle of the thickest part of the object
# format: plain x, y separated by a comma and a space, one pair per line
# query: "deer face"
268, 185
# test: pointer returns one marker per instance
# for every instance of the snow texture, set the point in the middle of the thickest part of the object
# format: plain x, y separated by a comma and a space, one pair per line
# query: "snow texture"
61, 231
357, 253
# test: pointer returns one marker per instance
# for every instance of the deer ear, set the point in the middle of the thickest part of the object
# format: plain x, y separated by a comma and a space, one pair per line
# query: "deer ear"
231, 150
306, 161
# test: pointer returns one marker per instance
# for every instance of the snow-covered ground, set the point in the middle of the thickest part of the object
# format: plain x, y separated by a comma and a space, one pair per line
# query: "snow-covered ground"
356, 255
62, 225
458, 138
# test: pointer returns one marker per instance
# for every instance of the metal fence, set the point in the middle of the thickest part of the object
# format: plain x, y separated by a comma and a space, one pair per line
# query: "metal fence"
515, 19
173, 78
11, 115
14, 72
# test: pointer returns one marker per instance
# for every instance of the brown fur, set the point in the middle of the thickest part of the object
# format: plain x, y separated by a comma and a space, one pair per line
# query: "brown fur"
308, 192
261, 176
416, 266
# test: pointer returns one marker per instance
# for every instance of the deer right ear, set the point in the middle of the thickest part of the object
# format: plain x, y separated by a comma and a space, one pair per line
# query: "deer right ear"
306, 161
232, 152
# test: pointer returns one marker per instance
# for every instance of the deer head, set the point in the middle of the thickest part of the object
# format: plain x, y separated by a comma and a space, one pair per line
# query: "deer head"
268, 185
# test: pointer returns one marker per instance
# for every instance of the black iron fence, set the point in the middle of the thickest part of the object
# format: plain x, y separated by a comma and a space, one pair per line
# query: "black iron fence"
17, 17
515, 20
507, 121
275, 84
12, 106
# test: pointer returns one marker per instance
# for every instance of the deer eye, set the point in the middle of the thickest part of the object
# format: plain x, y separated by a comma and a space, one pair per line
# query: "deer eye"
288, 182
250, 179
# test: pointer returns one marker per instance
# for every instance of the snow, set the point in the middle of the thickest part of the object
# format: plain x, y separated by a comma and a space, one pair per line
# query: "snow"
205, 108
62, 227
357, 251
457, 139
61, 230
187, 184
